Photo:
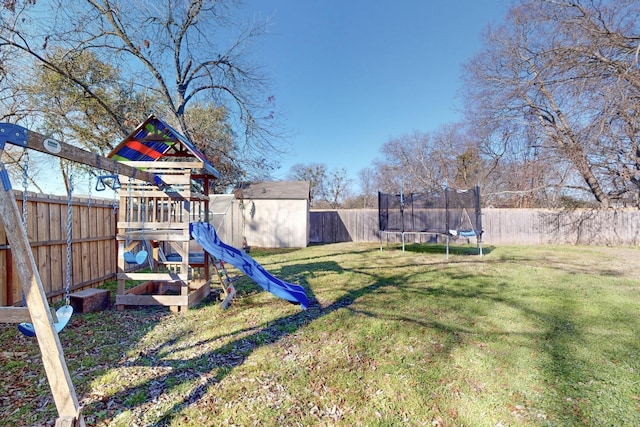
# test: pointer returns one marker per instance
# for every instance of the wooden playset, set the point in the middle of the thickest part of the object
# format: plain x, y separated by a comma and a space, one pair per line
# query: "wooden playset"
162, 198
154, 220
162, 181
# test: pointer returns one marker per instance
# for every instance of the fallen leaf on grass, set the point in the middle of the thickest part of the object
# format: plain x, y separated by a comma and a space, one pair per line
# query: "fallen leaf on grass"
13, 354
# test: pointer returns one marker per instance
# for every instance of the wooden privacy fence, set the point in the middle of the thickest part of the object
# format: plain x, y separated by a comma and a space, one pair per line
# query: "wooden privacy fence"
93, 245
575, 227
348, 225
501, 227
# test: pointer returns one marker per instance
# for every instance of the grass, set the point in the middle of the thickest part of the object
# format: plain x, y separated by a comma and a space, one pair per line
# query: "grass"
525, 336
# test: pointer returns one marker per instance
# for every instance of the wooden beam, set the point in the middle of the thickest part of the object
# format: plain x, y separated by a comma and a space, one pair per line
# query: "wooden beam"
64, 394
18, 135
19, 315
199, 294
166, 236
164, 300
161, 277
197, 168
14, 315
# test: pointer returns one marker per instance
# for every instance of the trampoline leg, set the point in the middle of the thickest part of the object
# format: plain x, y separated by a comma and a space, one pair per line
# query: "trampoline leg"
447, 246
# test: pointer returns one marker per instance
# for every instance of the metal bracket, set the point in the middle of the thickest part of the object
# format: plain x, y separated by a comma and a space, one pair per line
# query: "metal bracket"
13, 134
4, 178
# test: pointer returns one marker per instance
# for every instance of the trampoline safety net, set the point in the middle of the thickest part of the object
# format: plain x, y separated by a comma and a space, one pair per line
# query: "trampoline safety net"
448, 211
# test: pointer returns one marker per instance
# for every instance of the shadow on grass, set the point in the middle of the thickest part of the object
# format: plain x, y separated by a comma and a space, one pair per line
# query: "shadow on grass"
264, 252
561, 327
556, 330
212, 367
461, 250
329, 255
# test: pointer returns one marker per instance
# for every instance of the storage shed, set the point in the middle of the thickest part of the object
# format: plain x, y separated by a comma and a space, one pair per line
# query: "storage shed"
274, 214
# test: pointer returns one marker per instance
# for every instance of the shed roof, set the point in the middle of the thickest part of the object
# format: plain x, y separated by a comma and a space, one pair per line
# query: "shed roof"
276, 190
153, 140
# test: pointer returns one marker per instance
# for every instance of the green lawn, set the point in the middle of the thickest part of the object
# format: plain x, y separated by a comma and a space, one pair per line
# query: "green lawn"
524, 336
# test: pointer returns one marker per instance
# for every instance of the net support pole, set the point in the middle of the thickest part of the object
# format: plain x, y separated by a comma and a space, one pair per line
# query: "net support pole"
447, 244
446, 218
478, 218
402, 211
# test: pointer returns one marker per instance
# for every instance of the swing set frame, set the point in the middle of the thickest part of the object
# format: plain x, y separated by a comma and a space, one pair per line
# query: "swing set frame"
37, 310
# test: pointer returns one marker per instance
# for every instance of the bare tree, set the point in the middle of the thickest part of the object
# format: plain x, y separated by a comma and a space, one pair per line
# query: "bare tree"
66, 112
337, 187
368, 188
556, 80
175, 51
316, 174
410, 160
424, 161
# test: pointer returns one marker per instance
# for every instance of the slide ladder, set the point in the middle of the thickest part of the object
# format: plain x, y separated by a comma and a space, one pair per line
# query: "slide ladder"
226, 282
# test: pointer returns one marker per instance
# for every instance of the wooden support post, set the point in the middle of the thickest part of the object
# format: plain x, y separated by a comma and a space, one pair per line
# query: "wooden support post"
55, 366
207, 218
120, 275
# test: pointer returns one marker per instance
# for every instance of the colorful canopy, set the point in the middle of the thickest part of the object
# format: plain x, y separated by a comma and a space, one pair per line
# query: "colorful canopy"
154, 139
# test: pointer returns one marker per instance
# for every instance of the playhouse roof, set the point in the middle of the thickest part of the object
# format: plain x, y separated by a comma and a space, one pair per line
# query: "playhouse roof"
282, 190
154, 140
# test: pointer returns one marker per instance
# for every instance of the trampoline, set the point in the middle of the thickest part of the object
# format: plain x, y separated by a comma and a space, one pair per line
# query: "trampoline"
448, 212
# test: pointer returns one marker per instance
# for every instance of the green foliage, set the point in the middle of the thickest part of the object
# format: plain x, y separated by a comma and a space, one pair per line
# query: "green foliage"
86, 100
316, 174
211, 131
92, 71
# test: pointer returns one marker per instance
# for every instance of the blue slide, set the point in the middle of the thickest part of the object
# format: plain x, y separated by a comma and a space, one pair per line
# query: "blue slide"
205, 235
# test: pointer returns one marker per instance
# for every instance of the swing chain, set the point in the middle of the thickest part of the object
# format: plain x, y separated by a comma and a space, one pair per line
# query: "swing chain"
89, 201
143, 211
67, 297
115, 203
115, 195
25, 186
129, 207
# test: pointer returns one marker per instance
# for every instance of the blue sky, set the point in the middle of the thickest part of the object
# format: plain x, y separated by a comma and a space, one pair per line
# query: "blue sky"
348, 75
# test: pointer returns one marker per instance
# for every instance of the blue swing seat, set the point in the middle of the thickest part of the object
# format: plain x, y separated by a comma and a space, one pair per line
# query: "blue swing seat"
63, 313
138, 258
